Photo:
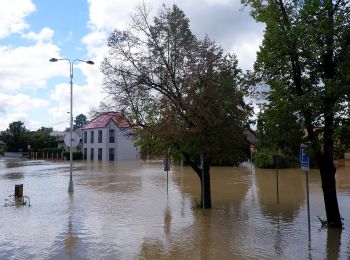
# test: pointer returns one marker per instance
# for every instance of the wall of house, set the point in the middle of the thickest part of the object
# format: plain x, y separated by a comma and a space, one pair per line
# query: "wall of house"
124, 148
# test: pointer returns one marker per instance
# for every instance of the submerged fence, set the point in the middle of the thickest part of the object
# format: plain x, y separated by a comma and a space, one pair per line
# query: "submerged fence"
46, 155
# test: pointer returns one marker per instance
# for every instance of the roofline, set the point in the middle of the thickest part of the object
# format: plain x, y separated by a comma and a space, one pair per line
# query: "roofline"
111, 119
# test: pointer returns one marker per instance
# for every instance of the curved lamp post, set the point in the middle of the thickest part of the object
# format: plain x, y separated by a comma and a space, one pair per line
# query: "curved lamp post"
71, 63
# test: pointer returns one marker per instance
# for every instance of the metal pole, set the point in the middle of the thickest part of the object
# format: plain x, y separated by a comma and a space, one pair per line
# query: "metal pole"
277, 184
203, 189
251, 171
70, 187
167, 171
167, 181
308, 201
71, 63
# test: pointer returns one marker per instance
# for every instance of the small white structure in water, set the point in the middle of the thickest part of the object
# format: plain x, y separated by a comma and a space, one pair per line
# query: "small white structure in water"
109, 137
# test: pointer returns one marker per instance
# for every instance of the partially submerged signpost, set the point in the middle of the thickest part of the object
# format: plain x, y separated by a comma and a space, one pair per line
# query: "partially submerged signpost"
166, 163
201, 159
305, 166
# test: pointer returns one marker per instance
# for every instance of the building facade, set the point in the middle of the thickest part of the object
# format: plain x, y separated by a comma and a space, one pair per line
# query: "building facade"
109, 137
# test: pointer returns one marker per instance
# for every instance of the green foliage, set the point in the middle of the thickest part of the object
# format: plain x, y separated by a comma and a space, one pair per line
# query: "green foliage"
304, 58
342, 137
41, 139
185, 93
3, 150
18, 137
51, 150
15, 136
76, 155
279, 128
265, 159
80, 121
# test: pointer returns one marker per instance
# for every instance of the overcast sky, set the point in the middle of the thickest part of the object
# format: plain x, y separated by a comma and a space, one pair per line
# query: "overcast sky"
36, 92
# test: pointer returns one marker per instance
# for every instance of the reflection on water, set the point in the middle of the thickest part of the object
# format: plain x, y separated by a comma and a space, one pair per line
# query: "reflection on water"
121, 210
291, 192
13, 175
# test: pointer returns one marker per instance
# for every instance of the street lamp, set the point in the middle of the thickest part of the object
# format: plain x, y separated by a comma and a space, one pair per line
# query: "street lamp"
71, 63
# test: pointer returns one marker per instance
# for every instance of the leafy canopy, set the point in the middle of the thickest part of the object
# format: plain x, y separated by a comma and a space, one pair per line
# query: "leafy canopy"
184, 92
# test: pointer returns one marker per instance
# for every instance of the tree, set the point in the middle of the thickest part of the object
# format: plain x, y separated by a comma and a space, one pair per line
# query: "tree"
305, 58
41, 139
15, 136
80, 121
184, 93
279, 129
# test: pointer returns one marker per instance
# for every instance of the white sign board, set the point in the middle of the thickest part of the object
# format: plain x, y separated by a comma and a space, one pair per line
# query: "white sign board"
75, 140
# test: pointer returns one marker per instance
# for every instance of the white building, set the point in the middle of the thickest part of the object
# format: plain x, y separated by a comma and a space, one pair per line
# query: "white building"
109, 137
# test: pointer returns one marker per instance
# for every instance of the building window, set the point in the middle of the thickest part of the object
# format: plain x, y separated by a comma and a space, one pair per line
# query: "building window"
99, 154
99, 137
92, 137
85, 153
111, 154
111, 135
85, 137
92, 154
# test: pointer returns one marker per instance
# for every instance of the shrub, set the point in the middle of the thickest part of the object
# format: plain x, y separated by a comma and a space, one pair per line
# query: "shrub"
76, 155
265, 159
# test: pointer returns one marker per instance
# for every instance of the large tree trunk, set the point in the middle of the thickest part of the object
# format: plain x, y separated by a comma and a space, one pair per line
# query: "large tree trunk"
327, 171
205, 189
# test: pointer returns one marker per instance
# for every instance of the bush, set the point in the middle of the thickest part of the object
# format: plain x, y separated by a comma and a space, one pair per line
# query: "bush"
265, 160
51, 150
76, 155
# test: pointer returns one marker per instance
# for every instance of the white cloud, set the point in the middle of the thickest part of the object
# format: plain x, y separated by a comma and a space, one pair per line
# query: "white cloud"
27, 67
246, 51
223, 20
45, 34
96, 43
84, 96
110, 14
21, 102
12, 15
219, 2
18, 107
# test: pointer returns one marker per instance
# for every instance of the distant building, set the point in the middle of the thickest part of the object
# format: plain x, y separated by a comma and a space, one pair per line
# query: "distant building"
250, 136
109, 137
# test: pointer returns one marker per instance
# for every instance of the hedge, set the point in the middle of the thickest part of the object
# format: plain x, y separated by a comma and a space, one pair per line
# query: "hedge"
265, 160
76, 155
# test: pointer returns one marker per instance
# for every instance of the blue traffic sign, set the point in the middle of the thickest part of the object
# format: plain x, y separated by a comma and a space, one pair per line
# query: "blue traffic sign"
304, 158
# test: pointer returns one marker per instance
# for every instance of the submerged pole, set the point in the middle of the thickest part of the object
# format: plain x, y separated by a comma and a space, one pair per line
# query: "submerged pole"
203, 189
308, 200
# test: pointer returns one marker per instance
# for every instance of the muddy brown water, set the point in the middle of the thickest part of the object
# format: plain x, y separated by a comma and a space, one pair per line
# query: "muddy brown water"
121, 210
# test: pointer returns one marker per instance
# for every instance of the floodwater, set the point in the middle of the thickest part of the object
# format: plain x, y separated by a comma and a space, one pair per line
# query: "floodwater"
121, 210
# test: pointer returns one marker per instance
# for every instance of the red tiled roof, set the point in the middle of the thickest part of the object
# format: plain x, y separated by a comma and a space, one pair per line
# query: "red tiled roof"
103, 119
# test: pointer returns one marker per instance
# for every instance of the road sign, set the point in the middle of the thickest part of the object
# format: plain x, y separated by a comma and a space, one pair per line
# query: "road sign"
166, 163
75, 140
304, 158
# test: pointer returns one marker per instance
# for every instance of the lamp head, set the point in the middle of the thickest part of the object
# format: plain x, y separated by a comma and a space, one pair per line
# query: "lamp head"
90, 62
53, 60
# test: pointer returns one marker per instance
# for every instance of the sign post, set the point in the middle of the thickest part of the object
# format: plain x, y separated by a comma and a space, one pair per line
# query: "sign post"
203, 189
252, 149
305, 166
166, 163
275, 162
